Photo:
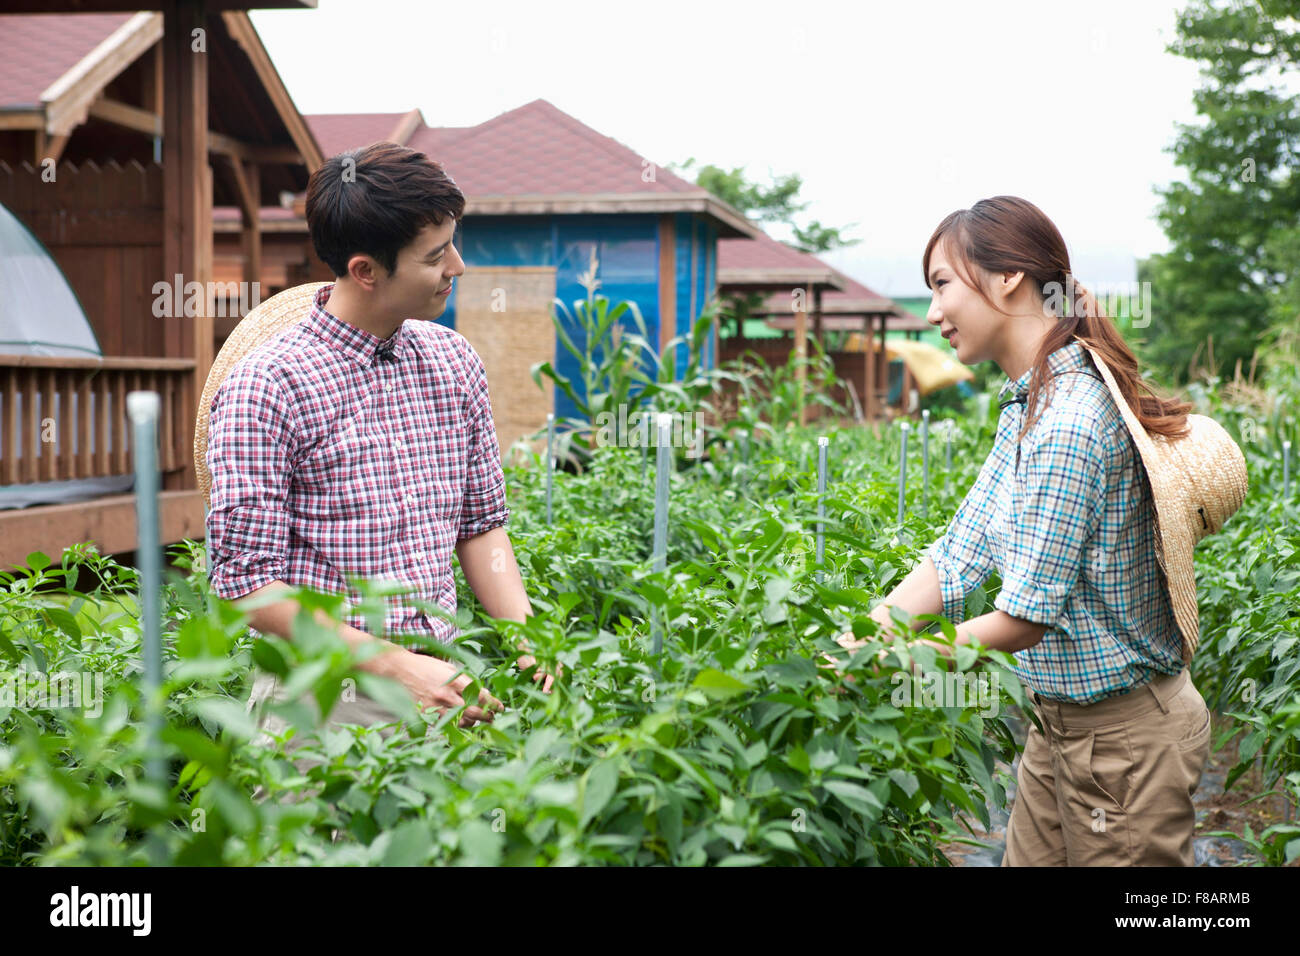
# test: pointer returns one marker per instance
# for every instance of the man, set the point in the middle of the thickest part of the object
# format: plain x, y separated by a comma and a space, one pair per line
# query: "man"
356, 442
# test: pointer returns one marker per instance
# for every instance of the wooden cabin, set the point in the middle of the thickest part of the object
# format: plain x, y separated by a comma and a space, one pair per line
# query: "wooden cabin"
806, 295
545, 192
121, 125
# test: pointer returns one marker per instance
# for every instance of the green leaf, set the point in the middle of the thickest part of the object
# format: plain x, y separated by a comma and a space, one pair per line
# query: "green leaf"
718, 685
269, 658
599, 786
227, 713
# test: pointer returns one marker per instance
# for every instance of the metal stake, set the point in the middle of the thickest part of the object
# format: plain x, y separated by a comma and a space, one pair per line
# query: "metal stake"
902, 470
663, 461
143, 409
550, 460
925, 463
822, 442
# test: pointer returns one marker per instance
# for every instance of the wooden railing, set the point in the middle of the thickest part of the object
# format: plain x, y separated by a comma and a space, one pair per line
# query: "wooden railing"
63, 418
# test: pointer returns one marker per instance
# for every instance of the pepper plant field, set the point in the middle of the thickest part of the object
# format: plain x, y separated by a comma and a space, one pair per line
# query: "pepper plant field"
737, 745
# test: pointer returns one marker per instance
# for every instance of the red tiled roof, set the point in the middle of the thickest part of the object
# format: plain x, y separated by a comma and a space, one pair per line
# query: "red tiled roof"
538, 149
38, 48
339, 132
765, 252
751, 258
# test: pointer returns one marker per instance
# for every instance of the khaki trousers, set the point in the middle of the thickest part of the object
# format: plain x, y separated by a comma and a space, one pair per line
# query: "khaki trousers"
1111, 783
267, 687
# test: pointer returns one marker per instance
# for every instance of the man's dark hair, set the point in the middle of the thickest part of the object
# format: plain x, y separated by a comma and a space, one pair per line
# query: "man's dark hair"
374, 201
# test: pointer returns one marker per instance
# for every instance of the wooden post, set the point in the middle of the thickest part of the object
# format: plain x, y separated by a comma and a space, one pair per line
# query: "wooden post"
667, 285
187, 198
883, 368
869, 359
800, 353
250, 213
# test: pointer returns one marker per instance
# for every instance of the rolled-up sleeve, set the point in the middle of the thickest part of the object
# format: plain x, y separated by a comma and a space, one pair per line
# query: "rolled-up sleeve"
250, 454
1062, 498
483, 506
962, 555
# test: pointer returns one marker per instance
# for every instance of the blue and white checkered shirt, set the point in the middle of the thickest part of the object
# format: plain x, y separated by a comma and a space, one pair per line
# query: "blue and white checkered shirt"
1067, 520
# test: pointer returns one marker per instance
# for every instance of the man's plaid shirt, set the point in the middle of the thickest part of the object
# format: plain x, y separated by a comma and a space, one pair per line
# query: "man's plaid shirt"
336, 453
1067, 520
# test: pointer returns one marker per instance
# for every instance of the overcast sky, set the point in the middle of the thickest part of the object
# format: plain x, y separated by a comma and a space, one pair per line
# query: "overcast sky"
894, 114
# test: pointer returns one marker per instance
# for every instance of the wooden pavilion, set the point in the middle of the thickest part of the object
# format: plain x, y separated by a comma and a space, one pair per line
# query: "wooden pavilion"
806, 291
121, 124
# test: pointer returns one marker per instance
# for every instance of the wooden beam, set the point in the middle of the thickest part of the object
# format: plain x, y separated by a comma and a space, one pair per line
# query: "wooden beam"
241, 29
127, 116
121, 6
406, 126
106, 362
248, 202
667, 281
151, 124
801, 353
253, 152
67, 98
22, 119
251, 216
817, 316
109, 522
869, 357
187, 201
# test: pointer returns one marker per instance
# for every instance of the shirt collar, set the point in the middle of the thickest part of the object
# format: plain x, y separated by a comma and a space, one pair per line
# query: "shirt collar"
363, 347
1065, 359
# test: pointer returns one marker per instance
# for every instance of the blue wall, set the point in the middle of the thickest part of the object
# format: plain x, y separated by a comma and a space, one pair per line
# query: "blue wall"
627, 247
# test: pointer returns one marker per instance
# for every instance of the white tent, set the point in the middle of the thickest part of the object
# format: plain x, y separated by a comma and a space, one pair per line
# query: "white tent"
39, 312
40, 315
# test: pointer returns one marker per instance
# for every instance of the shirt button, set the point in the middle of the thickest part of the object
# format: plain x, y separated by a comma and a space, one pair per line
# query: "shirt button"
388, 388
410, 499
397, 442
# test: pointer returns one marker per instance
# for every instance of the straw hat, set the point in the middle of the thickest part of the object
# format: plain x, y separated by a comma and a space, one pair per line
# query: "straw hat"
1197, 483
269, 318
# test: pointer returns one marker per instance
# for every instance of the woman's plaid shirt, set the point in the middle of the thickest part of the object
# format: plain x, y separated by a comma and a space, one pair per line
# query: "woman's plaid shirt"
1067, 520
336, 453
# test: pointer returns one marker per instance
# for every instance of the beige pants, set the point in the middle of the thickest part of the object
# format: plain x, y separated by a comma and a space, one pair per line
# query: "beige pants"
1111, 783
267, 687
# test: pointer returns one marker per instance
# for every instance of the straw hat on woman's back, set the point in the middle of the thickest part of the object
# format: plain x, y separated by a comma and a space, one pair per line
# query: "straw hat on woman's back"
260, 325
1197, 482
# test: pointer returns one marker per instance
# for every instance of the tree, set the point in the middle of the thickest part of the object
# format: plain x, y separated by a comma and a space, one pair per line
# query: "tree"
1235, 257
776, 203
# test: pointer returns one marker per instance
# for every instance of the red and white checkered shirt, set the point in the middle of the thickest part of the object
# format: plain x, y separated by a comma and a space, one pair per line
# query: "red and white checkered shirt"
334, 453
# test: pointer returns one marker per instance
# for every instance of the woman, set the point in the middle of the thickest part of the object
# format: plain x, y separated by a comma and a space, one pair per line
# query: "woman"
1063, 510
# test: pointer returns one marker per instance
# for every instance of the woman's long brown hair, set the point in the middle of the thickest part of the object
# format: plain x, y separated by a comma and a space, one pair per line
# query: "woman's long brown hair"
1009, 234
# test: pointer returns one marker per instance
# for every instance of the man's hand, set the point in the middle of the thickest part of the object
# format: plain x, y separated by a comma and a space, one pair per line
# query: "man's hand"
527, 661
429, 681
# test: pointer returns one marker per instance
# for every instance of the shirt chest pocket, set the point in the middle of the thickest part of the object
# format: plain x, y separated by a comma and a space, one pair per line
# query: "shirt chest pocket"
1003, 504
346, 477
439, 472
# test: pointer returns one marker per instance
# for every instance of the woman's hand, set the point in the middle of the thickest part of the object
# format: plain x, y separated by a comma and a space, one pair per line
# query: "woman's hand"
850, 643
